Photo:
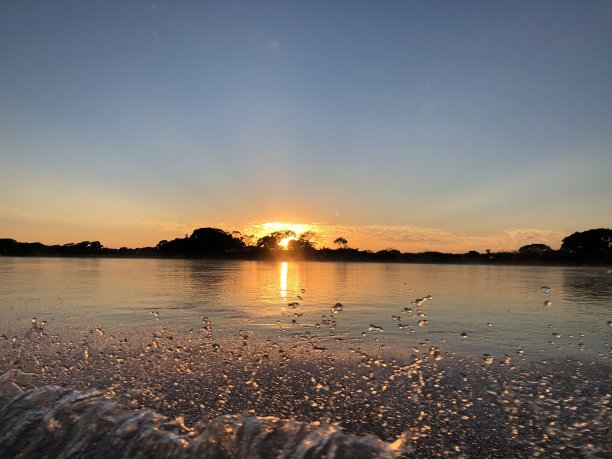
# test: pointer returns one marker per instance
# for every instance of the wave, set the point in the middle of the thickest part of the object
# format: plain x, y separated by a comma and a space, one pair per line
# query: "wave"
52, 421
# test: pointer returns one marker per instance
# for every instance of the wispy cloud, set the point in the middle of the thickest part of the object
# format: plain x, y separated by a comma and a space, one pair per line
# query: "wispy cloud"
175, 227
274, 44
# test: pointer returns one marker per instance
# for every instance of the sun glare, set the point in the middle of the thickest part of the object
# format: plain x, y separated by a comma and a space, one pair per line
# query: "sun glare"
284, 243
270, 227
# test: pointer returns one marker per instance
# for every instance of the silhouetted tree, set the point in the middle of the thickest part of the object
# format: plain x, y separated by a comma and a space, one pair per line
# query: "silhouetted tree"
303, 242
340, 241
534, 249
247, 239
592, 242
202, 242
272, 240
9, 247
211, 240
81, 248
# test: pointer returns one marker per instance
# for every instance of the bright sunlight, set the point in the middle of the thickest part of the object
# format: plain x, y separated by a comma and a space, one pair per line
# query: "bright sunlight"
284, 243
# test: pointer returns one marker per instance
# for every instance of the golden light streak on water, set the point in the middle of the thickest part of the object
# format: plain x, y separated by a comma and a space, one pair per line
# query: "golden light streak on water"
283, 279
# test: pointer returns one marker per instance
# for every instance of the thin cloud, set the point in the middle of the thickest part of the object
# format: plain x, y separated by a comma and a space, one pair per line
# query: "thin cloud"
274, 44
172, 226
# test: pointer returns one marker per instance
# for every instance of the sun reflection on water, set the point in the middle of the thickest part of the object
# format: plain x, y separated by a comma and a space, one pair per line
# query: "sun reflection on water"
283, 279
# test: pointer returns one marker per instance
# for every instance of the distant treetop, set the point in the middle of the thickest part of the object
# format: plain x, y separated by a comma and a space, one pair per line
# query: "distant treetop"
534, 249
592, 242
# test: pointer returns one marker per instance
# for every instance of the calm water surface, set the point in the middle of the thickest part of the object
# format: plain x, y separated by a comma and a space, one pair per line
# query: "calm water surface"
500, 308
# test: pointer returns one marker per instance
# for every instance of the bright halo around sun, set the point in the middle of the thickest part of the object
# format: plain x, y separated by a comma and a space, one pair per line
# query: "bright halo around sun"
259, 230
298, 228
284, 243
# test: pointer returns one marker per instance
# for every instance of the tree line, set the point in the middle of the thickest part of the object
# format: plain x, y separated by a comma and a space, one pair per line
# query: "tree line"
586, 247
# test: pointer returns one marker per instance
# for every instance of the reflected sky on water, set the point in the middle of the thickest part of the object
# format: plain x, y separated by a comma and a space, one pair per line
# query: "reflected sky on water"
473, 308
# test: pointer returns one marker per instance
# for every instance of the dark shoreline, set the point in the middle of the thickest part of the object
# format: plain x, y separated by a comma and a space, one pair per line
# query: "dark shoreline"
588, 248
454, 259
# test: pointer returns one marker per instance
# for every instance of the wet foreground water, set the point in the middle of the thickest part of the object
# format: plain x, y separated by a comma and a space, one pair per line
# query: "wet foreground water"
317, 378
431, 402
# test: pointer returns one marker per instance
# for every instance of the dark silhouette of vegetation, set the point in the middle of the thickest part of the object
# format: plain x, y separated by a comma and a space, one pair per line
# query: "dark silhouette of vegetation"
203, 242
590, 247
341, 242
272, 241
592, 242
10, 247
304, 242
534, 249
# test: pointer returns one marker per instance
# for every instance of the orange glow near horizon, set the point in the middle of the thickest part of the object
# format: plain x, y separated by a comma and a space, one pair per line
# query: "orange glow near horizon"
263, 229
284, 243
297, 228
406, 238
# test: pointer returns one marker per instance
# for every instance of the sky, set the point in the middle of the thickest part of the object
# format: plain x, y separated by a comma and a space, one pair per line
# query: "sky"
417, 125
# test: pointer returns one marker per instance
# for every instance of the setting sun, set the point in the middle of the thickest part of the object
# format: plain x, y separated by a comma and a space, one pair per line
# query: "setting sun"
284, 243
262, 229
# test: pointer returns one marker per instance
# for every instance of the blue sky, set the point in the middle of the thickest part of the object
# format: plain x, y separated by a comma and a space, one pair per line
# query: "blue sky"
418, 125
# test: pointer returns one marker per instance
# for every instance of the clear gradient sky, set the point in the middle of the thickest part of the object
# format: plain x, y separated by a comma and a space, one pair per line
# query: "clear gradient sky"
437, 125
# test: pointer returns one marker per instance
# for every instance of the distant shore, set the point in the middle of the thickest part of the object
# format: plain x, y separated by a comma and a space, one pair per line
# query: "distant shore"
587, 248
330, 255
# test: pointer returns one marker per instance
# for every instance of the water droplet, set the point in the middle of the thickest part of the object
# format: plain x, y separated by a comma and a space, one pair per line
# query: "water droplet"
336, 308
487, 358
373, 327
548, 303
420, 301
422, 323
464, 335
546, 289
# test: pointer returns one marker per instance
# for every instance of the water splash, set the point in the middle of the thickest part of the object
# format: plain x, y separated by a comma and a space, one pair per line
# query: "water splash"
57, 422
